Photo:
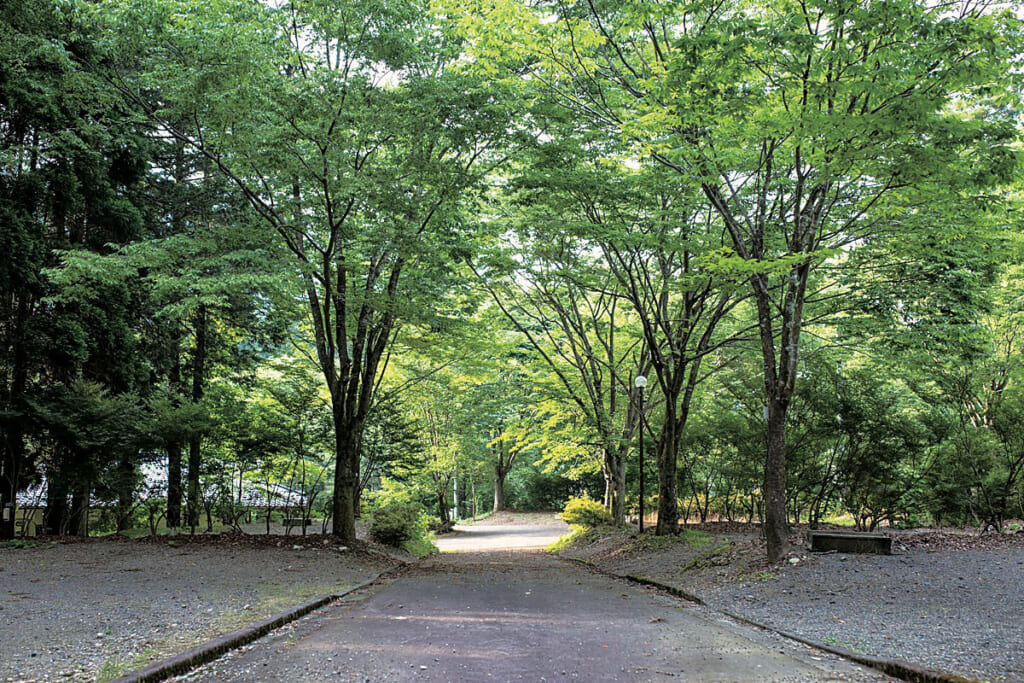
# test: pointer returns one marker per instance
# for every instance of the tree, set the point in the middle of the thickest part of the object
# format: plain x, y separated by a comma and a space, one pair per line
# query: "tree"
808, 128
351, 136
70, 177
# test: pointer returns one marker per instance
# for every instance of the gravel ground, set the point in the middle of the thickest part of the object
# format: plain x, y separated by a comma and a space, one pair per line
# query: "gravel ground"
960, 611
84, 611
947, 601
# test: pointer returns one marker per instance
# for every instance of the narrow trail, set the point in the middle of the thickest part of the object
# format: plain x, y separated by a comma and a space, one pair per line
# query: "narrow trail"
519, 615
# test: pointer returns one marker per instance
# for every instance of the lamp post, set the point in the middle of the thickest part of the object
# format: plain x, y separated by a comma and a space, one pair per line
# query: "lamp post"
640, 382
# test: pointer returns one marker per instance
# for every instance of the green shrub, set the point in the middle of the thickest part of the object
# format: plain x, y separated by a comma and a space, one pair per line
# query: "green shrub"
395, 523
585, 512
399, 520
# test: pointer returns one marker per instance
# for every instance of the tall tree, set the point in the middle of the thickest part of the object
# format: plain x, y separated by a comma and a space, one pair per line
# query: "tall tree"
350, 134
806, 126
71, 165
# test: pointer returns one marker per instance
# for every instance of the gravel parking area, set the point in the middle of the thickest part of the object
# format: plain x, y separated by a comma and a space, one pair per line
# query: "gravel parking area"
83, 611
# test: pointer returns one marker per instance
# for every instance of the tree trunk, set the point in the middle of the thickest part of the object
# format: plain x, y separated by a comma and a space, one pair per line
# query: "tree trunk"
668, 505
12, 458
776, 527
174, 489
347, 435
79, 520
195, 443
56, 516
615, 478
499, 488
442, 504
8, 487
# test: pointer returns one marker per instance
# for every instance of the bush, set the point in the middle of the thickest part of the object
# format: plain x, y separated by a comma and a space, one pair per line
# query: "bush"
399, 520
395, 523
585, 512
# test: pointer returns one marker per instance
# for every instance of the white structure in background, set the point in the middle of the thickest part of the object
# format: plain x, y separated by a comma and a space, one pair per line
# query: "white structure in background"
255, 496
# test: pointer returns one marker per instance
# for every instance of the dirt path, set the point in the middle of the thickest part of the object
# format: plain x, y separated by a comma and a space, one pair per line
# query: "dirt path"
506, 616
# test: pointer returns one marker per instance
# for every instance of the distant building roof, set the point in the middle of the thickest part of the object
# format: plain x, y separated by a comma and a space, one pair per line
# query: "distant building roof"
154, 485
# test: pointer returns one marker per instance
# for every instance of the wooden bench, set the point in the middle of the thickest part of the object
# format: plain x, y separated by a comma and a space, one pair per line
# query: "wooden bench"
301, 522
820, 541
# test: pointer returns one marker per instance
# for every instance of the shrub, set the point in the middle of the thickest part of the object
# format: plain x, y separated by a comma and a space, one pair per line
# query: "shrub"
399, 520
585, 512
395, 523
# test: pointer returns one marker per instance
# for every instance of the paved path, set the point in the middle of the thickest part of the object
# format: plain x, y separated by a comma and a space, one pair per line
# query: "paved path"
477, 537
504, 616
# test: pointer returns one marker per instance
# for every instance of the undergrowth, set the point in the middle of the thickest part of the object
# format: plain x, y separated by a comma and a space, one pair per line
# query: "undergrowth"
579, 536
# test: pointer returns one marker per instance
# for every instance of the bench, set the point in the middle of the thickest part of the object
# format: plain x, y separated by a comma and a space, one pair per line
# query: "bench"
820, 541
301, 522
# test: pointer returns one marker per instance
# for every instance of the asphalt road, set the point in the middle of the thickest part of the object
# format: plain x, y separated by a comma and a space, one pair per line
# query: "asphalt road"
484, 537
510, 616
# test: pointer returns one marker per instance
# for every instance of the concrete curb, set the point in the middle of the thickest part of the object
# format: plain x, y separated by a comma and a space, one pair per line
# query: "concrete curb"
892, 667
184, 662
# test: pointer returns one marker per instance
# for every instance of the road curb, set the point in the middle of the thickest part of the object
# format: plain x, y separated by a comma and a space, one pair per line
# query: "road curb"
212, 649
892, 667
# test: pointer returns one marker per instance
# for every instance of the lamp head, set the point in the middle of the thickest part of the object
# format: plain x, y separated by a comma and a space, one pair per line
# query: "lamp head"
640, 381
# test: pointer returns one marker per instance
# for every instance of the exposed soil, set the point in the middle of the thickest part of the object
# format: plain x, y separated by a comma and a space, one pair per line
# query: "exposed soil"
949, 600
88, 610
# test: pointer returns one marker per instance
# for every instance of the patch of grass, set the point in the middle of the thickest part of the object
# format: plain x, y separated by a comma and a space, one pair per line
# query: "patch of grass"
704, 558
111, 669
759, 575
482, 516
117, 666
843, 644
579, 536
421, 546
693, 538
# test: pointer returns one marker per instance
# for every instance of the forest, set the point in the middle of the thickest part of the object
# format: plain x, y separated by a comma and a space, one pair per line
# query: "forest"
424, 250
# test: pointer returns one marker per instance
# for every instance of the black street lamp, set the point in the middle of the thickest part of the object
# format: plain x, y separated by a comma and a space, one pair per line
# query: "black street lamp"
640, 382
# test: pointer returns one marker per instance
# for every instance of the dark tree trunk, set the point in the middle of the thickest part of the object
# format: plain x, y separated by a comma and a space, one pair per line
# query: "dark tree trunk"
79, 520
7, 493
776, 525
668, 504
442, 505
56, 516
9, 474
12, 458
174, 448
346, 480
195, 443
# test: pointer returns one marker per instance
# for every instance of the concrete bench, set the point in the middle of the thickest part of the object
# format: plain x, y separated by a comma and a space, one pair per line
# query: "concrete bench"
820, 541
